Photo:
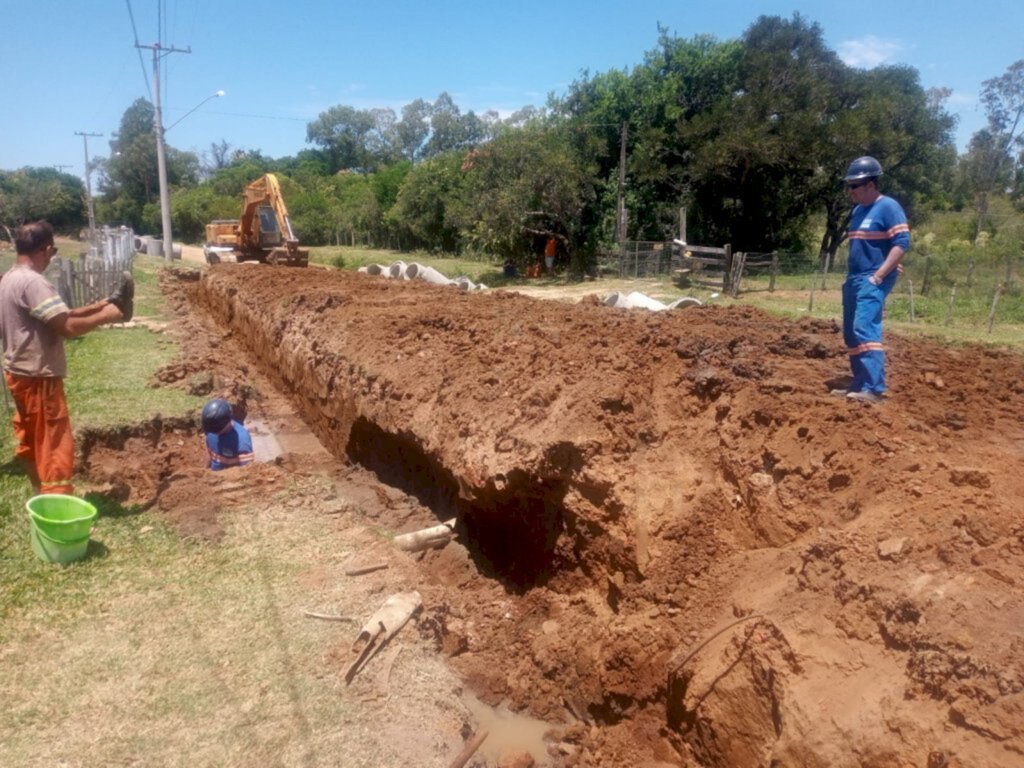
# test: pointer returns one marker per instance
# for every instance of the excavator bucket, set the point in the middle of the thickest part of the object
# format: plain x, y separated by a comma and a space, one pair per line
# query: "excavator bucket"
290, 256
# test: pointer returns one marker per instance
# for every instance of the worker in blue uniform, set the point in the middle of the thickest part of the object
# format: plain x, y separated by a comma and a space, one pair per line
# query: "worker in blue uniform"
879, 237
228, 442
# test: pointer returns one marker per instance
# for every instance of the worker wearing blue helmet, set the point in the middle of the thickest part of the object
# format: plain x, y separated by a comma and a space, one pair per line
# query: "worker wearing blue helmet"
879, 237
228, 442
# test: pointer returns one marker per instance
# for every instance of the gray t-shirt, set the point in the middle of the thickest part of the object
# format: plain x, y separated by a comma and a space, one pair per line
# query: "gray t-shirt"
27, 302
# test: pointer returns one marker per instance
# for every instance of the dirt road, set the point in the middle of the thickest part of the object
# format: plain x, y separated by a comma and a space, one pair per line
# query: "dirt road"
672, 541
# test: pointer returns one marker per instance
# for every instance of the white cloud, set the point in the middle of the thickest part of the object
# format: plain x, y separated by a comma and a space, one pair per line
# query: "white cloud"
868, 51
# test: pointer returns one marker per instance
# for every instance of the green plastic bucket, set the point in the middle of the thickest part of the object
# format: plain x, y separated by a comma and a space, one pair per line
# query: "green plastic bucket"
53, 551
60, 526
60, 517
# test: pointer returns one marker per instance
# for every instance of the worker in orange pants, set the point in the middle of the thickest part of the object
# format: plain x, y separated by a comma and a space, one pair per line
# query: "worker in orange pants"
34, 321
43, 431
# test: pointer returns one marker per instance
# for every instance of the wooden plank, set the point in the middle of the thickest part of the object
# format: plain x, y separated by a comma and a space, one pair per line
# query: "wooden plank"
710, 283
700, 260
704, 249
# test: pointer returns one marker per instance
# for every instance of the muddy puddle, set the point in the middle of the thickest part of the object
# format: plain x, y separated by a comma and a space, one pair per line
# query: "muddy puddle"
510, 732
271, 441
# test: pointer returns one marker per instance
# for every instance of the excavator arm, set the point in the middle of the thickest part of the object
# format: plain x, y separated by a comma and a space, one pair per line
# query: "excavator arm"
264, 232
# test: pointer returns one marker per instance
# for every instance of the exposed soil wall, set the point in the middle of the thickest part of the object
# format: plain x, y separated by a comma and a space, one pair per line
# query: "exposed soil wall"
632, 482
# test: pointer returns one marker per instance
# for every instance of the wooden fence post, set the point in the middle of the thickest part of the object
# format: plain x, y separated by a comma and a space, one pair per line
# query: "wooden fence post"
910, 288
738, 262
949, 309
775, 271
727, 271
927, 269
995, 300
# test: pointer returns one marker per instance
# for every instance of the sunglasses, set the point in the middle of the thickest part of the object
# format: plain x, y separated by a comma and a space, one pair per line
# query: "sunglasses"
856, 185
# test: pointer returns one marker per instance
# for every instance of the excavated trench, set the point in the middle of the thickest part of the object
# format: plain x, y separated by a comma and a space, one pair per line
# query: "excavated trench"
511, 532
687, 545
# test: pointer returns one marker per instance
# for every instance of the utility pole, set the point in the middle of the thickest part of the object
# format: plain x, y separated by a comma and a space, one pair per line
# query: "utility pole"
620, 204
88, 185
161, 160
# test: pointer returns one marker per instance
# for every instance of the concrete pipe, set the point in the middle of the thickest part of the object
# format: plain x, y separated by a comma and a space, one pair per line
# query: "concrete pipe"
377, 270
431, 275
634, 300
686, 301
397, 271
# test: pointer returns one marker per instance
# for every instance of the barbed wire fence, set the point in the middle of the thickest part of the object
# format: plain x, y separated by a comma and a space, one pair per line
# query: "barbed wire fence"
973, 289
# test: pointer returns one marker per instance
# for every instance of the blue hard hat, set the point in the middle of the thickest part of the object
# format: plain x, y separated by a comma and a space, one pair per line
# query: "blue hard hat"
863, 168
216, 415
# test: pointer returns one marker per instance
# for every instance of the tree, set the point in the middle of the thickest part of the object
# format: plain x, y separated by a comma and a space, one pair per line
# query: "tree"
1003, 99
30, 194
343, 132
422, 213
760, 145
450, 129
219, 157
413, 129
130, 186
523, 186
192, 209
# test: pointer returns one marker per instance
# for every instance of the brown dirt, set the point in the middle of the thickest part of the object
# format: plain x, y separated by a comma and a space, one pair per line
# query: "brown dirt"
629, 484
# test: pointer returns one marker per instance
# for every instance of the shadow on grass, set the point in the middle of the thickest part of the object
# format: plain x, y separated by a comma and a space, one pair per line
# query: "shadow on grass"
96, 550
106, 506
13, 468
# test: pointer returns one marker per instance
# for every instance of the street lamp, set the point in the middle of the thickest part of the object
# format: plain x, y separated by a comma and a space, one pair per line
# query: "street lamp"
216, 95
161, 160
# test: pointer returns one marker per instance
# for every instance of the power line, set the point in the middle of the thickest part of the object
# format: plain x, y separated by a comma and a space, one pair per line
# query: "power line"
142, 64
261, 117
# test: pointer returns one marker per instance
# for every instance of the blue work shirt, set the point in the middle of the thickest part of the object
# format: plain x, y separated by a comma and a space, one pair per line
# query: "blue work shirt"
230, 448
874, 230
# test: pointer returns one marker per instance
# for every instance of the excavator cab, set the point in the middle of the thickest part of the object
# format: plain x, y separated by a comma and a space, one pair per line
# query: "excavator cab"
270, 233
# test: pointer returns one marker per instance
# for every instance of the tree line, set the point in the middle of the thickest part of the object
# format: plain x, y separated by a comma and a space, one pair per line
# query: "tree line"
750, 135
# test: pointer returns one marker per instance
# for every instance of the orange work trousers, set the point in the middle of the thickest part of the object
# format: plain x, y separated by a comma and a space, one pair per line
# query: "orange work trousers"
43, 430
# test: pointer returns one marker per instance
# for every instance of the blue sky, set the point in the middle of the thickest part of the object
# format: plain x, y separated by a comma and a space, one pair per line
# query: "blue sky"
69, 65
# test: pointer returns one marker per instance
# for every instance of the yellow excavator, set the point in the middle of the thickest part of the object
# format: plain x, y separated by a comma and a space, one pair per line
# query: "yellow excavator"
263, 234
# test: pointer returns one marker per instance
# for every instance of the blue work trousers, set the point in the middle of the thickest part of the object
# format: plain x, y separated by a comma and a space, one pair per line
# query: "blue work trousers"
863, 307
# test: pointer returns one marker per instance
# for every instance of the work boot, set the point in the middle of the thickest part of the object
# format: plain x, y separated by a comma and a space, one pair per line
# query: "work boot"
839, 392
865, 397
123, 296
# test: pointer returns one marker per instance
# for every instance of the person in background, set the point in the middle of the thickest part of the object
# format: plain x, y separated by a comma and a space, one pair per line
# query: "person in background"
879, 237
228, 442
550, 248
34, 321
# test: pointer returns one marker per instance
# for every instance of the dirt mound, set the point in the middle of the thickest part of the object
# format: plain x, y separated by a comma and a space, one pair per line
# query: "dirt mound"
692, 551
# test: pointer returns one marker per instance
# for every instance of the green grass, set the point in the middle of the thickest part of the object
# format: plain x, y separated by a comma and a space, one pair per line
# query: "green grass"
107, 385
108, 374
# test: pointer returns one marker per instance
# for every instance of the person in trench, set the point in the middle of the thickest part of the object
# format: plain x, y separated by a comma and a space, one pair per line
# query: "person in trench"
228, 442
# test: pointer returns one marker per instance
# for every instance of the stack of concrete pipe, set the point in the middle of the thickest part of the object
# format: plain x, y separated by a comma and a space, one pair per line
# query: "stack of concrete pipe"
399, 270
